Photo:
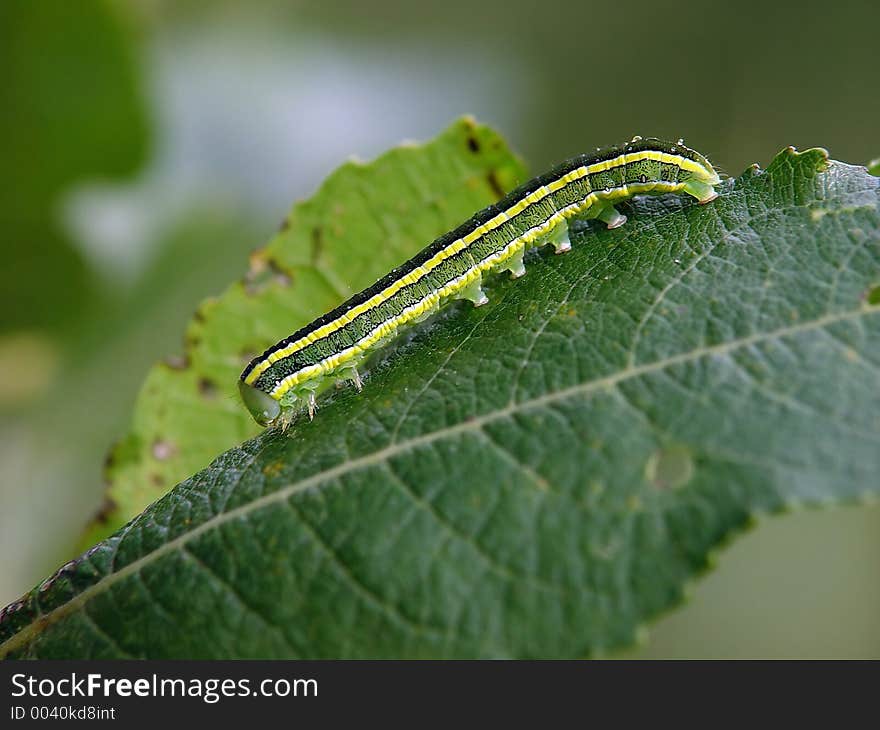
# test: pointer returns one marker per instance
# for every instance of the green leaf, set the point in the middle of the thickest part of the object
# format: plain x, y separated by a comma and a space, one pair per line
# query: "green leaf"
534, 478
874, 167
364, 220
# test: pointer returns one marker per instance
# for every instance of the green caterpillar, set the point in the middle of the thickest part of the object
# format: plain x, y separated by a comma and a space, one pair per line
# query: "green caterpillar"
495, 239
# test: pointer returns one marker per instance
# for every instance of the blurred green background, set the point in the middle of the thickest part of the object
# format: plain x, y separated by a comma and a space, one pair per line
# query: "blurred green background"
149, 145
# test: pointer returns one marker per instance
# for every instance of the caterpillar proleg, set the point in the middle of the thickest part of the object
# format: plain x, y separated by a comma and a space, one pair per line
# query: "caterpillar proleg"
286, 377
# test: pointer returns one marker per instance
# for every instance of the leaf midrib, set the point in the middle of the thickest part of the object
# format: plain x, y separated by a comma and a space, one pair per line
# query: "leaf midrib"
398, 447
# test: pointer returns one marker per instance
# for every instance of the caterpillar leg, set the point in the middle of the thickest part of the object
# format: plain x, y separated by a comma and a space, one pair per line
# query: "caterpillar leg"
701, 191
474, 292
286, 419
559, 238
610, 216
515, 264
313, 406
349, 372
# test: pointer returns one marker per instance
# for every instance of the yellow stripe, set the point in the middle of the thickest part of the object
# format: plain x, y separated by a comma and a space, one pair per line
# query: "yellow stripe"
332, 362
460, 244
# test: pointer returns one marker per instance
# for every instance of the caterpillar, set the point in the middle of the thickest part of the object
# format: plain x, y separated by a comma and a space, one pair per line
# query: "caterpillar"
276, 384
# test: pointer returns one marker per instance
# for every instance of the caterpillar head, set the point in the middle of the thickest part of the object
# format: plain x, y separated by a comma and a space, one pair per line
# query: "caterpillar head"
707, 174
262, 406
696, 175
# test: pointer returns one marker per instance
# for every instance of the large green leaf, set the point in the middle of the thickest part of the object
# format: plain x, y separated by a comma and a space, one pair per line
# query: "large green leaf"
536, 477
364, 220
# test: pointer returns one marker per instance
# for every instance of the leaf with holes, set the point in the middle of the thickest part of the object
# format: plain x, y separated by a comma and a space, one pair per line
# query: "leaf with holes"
538, 477
365, 219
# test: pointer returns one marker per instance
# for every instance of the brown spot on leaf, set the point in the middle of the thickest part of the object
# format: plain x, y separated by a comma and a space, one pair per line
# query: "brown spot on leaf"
177, 362
473, 143
279, 275
105, 511
495, 184
157, 479
263, 272
110, 459
273, 469
317, 244
207, 388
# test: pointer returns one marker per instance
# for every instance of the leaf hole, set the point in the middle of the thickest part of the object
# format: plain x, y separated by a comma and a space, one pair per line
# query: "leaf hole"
670, 467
